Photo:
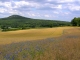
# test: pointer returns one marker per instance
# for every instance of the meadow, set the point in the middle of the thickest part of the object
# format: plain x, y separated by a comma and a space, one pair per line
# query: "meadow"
30, 34
60, 43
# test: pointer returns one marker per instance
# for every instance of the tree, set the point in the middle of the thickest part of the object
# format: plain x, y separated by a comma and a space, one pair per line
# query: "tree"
4, 28
75, 21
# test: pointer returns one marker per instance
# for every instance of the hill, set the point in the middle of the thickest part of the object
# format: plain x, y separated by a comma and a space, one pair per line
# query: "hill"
20, 22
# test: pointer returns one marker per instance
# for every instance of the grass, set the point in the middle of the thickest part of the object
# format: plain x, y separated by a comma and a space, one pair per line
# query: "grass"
31, 34
64, 47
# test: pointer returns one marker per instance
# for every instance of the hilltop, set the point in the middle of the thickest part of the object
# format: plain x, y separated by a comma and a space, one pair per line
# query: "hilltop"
20, 22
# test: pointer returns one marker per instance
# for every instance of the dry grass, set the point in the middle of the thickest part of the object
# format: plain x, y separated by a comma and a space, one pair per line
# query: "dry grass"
63, 47
31, 34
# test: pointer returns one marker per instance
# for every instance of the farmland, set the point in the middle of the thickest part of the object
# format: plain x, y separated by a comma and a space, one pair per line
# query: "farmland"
60, 43
31, 34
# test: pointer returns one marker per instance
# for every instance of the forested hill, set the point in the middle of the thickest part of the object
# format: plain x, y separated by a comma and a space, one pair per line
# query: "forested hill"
20, 22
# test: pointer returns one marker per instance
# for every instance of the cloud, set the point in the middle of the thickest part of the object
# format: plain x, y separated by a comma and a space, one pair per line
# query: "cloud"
41, 8
47, 15
74, 7
2, 10
65, 1
55, 12
5, 0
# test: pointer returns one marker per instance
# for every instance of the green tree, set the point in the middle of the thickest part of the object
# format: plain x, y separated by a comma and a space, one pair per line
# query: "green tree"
75, 21
4, 27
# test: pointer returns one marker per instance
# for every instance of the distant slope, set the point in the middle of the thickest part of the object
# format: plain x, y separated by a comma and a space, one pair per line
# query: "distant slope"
16, 21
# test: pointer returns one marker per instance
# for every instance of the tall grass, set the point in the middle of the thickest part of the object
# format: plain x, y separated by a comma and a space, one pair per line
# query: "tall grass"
65, 47
31, 34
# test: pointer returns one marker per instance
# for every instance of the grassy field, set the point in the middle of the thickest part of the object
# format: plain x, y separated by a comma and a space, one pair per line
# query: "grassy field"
62, 43
31, 34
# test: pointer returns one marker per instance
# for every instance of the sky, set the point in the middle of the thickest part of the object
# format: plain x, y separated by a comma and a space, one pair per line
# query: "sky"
64, 10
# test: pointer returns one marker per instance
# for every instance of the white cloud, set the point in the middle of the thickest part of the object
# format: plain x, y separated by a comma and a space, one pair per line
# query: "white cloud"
66, 1
67, 13
2, 10
25, 3
55, 12
33, 15
49, 0
40, 8
6, 4
21, 3
47, 15
59, 6
14, 12
74, 7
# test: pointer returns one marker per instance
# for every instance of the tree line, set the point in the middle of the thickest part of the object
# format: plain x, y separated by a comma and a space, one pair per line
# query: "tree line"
16, 22
75, 21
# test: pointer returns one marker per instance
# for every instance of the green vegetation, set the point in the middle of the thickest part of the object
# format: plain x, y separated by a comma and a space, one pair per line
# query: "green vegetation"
76, 21
62, 43
16, 22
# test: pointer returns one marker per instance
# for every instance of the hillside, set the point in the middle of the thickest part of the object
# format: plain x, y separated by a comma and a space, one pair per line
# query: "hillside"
20, 22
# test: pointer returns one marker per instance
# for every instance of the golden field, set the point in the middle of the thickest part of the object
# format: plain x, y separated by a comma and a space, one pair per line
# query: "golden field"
31, 34
61, 43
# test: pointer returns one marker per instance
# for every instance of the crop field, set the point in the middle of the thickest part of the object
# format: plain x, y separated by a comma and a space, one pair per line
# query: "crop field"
31, 34
61, 43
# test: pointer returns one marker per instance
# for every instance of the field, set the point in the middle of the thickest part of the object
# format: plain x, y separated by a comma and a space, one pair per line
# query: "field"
61, 43
31, 34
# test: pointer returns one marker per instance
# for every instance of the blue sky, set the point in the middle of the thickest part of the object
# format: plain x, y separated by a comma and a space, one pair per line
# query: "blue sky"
64, 10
